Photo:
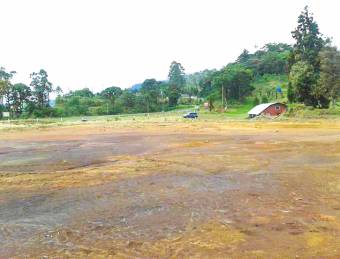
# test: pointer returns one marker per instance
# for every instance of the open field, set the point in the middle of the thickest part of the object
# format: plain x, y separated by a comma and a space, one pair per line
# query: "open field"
162, 187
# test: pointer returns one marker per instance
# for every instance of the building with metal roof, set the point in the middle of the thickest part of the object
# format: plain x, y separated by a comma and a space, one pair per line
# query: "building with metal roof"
268, 109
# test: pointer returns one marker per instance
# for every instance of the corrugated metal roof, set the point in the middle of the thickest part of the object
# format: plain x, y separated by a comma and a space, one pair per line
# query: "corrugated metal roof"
259, 108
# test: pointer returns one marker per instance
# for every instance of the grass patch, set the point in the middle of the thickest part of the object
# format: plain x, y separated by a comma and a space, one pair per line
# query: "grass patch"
266, 86
306, 112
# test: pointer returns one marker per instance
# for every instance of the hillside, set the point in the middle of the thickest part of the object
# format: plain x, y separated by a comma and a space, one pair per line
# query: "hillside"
265, 86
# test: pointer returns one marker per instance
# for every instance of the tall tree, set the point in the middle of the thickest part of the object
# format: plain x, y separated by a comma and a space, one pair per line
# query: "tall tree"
41, 88
305, 62
329, 82
176, 82
206, 82
309, 41
5, 85
111, 93
150, 91
191, 90
301, 80
19, 96
4, 89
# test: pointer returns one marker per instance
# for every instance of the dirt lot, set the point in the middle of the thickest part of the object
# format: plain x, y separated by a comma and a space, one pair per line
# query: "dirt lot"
171, 190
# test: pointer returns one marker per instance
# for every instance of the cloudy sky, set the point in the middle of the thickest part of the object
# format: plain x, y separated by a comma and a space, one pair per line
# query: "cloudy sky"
100, 43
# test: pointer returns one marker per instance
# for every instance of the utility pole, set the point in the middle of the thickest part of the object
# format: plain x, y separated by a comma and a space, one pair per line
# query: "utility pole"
222, 96
162, 100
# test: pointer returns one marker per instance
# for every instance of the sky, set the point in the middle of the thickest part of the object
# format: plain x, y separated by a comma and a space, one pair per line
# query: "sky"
103, 43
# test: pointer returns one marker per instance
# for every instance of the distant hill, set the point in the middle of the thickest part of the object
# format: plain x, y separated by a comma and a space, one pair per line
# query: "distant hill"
135, 88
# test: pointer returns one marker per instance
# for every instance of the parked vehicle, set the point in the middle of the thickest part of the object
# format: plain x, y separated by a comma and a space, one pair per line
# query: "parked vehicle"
191, 115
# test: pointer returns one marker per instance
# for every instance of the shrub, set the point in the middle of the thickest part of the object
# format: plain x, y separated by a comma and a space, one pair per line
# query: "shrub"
265, 99
256, 101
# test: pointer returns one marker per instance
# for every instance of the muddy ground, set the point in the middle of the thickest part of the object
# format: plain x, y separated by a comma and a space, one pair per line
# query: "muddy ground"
171, 190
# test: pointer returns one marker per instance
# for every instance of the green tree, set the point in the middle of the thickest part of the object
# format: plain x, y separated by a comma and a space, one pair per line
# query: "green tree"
244, 57
128, 101
41, 88
290, 93
264, 99
256, 101
111, 93
6, 76
150, 91
309, 41
176, 82
58, 90
329, 82
19, 96
191, 90
206, 82
192, 87
75, 107
4, 88
5, 85
301, 79
234, 80
305, 61
272, 58
85, 92
210, 100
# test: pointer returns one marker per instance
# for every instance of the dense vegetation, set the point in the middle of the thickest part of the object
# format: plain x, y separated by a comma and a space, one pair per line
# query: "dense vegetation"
314, 66
307, 72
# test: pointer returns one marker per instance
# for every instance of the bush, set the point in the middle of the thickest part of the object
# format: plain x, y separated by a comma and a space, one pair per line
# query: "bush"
265, 99
45, 112
256, 101
302, 111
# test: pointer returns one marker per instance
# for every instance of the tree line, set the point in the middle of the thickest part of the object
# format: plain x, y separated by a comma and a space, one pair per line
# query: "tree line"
34, 100
20, 98
312, 66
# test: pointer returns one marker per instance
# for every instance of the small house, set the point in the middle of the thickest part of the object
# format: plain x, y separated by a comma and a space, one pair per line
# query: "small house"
268, 109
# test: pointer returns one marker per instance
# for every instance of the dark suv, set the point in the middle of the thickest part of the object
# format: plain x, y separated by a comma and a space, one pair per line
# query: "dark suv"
191, 115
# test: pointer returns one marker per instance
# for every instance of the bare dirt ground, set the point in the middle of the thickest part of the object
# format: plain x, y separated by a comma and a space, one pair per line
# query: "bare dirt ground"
171, 190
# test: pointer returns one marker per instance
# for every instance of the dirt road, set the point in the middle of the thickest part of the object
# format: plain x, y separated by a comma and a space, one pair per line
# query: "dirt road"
171, 190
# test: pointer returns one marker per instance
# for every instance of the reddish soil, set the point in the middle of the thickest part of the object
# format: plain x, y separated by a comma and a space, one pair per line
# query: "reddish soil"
171, 190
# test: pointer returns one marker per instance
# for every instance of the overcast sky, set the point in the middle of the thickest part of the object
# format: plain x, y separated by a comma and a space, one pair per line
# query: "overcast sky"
101, 43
